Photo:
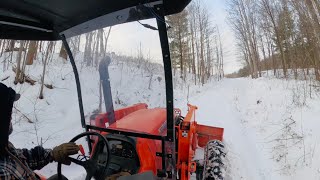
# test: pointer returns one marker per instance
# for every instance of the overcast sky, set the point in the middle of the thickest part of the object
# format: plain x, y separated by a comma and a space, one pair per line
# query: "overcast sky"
126, 38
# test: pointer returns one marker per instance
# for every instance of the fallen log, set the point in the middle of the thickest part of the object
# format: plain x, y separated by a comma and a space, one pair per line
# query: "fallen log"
14, 49
26, 77
29, 80
49, 86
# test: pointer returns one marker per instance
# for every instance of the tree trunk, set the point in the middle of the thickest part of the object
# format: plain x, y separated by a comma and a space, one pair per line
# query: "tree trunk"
106, 39
49, 48
63, 53
32, 50
19, 57
22, 78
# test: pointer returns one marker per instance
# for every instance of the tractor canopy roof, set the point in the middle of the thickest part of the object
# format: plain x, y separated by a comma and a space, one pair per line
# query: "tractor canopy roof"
48, 19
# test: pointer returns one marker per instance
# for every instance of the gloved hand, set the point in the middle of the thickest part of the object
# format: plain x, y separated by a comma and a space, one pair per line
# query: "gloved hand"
60, 153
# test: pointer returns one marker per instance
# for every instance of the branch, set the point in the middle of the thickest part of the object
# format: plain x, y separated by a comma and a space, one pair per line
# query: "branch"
5, 78
28, 119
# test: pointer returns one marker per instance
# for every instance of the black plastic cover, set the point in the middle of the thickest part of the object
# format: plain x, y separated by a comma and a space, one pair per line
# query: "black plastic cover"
47, 19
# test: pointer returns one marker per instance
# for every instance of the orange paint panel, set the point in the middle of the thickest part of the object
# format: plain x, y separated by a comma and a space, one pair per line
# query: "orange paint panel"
207, 133
184, 172
147, 155
143, 120
101, 119
120, 113
186, 137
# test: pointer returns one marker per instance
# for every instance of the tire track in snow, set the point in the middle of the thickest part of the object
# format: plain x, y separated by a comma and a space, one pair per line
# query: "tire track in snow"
216, 109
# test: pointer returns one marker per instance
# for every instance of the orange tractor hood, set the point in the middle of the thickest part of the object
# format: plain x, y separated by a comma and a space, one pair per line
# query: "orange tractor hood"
151, 121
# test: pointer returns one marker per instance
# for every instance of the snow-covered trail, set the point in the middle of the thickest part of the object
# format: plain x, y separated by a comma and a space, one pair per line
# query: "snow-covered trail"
271, 125
216, 108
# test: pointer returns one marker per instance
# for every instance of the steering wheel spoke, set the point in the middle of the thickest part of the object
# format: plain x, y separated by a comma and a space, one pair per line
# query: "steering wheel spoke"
77, 161
89, 176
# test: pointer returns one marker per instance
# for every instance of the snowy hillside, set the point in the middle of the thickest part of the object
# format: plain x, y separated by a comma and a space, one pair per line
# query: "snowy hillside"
270, 124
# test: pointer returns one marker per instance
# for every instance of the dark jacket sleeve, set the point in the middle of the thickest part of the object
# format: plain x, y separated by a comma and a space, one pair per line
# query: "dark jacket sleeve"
37, 157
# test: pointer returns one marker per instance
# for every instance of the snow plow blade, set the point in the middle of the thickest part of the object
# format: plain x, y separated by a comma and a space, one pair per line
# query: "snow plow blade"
208, 133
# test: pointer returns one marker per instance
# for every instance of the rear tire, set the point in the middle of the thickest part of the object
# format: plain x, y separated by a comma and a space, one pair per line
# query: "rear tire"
214, 158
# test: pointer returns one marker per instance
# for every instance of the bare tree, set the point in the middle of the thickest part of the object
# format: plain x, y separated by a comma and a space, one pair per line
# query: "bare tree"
45, 62
32, 51
243, 18
19, 58
63, 53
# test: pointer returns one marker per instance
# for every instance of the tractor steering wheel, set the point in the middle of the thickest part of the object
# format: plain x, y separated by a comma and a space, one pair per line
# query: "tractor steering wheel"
91, 165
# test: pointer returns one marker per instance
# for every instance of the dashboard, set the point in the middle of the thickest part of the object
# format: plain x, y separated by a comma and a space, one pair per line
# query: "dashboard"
121, 149
122, 157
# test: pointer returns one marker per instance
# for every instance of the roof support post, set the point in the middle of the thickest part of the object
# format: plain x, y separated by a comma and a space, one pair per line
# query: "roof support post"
169, 165
76, 76
162, 28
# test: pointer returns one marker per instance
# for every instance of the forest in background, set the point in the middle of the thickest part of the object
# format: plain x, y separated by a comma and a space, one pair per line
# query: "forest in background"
195, 44
278, 35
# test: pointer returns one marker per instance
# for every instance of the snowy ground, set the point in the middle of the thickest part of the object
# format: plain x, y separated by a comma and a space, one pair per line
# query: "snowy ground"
270, 129
270, 124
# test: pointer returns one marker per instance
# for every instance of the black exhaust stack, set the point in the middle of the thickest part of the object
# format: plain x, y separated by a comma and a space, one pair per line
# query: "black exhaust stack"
105, 82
